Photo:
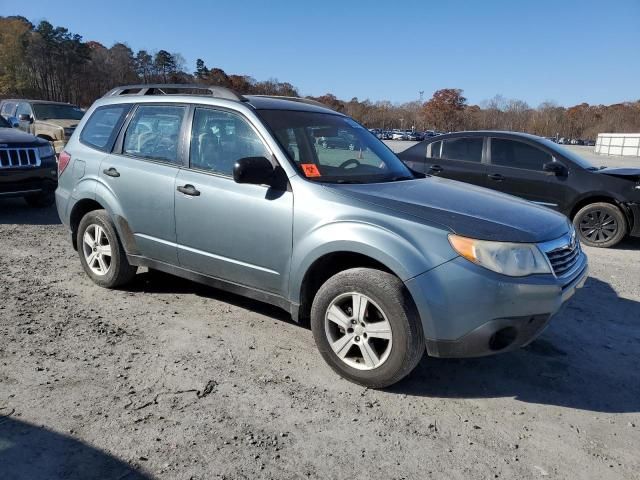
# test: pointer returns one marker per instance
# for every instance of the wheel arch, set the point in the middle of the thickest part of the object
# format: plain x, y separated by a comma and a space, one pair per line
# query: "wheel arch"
325, 267
602, 198
79, 210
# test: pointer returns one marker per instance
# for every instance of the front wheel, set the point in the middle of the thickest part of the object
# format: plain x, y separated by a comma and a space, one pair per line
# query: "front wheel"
600, 225
101, 252
367, 328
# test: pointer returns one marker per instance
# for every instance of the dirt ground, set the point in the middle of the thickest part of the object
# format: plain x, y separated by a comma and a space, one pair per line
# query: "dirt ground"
168, 379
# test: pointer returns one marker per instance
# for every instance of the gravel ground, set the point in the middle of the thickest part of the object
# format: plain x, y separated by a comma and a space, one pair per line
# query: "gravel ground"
169, 379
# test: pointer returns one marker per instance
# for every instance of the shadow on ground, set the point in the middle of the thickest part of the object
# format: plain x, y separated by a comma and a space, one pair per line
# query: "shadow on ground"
16, 211
29, 452
159, 282
587, 359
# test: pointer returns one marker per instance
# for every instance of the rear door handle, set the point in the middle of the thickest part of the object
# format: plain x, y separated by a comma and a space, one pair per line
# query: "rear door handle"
496, 176
111, 172
190, 190
435, 168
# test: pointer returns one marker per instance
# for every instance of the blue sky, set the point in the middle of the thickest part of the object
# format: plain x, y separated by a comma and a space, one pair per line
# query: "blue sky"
566, 51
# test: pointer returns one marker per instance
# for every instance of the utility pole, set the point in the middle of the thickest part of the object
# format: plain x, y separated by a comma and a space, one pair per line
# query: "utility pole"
421, 92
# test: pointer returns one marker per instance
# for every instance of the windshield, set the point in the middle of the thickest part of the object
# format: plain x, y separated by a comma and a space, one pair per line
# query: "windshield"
334, 149
571, 155
4, 123
46, 111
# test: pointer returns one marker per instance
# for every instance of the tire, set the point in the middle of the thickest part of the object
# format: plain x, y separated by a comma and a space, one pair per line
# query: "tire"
98, 226
389, 312
40, 200
600, 225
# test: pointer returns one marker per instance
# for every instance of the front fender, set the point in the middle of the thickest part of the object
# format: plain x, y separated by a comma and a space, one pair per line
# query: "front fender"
401, 254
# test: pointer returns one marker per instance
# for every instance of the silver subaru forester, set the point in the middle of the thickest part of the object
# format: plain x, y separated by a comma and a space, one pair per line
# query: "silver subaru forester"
286, 201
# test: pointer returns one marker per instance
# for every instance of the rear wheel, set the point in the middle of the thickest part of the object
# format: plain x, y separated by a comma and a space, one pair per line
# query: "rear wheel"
40, 200
600, 225
367, 328
101, 252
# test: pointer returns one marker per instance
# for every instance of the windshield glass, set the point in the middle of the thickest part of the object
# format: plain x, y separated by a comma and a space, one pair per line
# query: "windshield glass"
4, 123
45, 111
334, 149
571, 155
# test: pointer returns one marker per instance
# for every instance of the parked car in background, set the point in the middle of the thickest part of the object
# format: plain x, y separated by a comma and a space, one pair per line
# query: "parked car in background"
343, 139
590, 143
415, 136
27, 166
52, 121
382, 262
603, 203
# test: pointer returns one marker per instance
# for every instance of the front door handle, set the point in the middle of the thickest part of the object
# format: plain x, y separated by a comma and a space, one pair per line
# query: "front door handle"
435, 168
496, 176
111, 172
190, 190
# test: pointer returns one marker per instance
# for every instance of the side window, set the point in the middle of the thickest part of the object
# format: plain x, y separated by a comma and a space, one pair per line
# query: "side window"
101, 129
511, 153
468, 149
154, 132
23, 109
219, 139
435, 150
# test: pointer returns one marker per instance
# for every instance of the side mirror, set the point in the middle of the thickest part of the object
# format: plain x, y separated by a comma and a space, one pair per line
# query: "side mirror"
554, 168
14, 122
253, 170
25, 117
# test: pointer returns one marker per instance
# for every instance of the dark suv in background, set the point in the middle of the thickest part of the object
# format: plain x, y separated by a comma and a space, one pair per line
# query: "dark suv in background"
603, 203
27, 166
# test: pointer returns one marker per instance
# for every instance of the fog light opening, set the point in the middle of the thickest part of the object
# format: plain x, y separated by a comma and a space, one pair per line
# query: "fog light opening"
502, 338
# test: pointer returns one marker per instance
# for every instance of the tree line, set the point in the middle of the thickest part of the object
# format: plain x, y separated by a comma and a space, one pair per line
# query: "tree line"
51, 63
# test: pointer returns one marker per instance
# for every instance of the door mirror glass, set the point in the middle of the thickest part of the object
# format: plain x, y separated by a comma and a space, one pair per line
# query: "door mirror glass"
554, 168
14, 122
25, 117
253, 170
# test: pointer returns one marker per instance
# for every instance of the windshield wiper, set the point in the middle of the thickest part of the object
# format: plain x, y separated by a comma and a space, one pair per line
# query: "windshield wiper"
347, 181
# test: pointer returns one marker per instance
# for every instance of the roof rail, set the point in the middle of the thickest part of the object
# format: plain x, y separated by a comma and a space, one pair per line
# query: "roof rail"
165, 89
308, 101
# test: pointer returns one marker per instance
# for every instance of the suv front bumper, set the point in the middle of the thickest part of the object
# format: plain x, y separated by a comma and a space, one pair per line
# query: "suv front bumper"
469, 311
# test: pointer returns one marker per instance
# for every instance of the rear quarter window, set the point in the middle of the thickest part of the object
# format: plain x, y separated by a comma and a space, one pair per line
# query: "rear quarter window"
102, 127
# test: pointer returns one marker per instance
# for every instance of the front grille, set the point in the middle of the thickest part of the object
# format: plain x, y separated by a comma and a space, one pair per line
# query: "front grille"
563, 258
19, 157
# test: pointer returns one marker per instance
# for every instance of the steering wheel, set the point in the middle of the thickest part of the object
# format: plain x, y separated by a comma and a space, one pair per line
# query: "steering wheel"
353, 161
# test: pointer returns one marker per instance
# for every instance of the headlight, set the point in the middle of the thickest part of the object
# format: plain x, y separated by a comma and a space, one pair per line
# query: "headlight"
512, 259
46, 151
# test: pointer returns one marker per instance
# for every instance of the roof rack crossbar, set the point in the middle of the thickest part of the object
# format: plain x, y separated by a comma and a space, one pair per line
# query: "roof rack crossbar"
160, 89
308, 101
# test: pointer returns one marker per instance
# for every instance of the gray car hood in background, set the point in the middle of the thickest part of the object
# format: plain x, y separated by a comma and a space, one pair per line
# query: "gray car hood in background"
465, 209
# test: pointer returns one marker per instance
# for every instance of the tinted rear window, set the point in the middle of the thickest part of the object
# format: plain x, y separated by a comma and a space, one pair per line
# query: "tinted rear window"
468, 149
101, 129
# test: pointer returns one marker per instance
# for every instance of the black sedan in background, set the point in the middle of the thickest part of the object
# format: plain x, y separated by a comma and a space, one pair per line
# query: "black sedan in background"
27, 167
603, 203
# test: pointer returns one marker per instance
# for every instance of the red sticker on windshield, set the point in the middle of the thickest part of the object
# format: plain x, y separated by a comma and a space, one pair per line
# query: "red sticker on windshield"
310, 169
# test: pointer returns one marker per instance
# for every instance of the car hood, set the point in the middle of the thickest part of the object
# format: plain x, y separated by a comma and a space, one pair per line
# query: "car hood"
60, 122
15, 136
465, 209
624, 172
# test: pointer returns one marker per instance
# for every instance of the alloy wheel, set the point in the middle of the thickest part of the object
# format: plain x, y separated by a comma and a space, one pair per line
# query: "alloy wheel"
97, 249
358, 331
598, 226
